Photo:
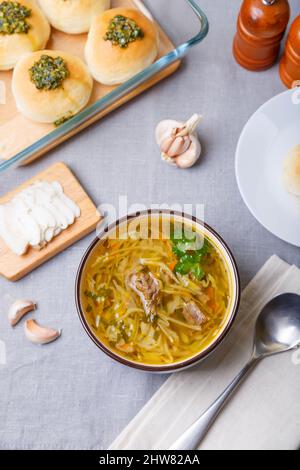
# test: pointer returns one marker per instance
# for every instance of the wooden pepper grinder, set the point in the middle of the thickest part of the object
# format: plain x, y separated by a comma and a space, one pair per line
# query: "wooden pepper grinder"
261, 27
290, 62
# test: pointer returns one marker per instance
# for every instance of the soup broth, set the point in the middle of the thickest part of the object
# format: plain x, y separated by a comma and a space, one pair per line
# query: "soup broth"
156, 300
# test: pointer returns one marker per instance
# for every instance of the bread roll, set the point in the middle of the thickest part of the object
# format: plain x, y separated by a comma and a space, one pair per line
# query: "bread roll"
291, 172
51, 105
112, 64
73, 16
13, 46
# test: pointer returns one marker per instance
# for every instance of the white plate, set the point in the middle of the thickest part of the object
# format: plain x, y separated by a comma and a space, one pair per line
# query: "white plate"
263, 145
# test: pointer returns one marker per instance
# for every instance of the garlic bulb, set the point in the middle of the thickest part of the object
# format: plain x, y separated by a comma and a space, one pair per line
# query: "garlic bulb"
178, 141
18, 309
39, 334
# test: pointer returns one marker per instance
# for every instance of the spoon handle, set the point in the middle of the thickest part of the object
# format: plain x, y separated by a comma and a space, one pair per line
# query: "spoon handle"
194, 435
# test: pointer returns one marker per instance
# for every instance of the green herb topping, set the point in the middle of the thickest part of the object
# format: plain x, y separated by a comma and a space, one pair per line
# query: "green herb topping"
122, 31
190, 251
13, 18
63, 119
48, 73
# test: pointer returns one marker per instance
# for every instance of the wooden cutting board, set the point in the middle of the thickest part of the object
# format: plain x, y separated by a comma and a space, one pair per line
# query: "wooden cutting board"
14, 267
17, 132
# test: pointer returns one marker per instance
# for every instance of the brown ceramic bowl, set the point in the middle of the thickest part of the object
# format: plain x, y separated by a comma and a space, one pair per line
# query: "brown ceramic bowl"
234, 296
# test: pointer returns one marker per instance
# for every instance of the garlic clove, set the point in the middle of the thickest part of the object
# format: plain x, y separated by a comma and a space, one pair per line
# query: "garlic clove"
166, 144
18, 309
38, 334
174, 146
190, 157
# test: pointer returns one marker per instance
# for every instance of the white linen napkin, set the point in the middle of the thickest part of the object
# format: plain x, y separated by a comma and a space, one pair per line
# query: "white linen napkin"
263, 414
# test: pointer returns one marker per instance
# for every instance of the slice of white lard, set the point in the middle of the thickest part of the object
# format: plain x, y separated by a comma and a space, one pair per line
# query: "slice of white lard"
36, 215
9, 230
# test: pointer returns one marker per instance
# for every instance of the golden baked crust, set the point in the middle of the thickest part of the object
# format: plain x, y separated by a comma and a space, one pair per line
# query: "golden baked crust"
110, 64
51, 105
73, 16
13, 46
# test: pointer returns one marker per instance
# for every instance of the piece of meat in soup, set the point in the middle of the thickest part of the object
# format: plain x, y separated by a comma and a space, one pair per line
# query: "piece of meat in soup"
146, 286
193, 314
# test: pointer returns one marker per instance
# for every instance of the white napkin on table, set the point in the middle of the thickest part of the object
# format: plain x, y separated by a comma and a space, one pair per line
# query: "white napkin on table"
263, 414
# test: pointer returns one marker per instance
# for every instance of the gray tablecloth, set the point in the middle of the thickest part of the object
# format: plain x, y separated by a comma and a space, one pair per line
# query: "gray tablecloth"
68, 394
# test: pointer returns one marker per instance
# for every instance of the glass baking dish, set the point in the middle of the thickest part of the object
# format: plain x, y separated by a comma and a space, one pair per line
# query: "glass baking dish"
89, 114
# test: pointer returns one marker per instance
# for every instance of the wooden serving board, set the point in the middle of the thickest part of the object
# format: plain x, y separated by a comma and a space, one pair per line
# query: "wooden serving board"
14, 267
17, 132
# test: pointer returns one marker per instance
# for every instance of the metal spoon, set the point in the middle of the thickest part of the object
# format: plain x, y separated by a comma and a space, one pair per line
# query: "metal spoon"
277, 330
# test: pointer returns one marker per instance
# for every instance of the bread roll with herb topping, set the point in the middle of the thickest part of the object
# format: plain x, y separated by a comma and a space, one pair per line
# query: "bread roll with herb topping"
121, 43
24, 28
291, 172
51, 86
73, 16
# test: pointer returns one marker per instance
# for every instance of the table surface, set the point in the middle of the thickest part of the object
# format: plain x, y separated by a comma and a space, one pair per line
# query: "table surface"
68, 394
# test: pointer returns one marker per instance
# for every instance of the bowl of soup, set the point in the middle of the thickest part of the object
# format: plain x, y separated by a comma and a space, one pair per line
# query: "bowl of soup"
157, 291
